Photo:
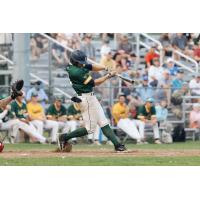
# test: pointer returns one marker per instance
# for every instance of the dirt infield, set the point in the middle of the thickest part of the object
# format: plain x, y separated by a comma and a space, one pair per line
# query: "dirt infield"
101, 153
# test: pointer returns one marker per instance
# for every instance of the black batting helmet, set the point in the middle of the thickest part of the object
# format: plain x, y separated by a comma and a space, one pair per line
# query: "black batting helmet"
78, 57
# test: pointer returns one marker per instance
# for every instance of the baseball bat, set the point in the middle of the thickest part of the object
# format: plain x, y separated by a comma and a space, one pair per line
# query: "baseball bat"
126, 79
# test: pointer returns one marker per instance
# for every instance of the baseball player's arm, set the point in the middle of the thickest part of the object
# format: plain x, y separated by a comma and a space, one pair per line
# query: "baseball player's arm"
3, 114
5, 102
101, 80
99, 67
96, 67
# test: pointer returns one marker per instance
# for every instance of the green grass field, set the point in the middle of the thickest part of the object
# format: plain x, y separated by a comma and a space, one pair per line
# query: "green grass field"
114, 160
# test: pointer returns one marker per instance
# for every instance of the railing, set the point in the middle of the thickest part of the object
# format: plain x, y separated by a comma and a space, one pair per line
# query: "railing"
147, 46
6, 72
160, 52
187, 58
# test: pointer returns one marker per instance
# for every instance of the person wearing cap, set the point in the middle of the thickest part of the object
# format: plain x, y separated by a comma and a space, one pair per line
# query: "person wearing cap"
37, 88
164, 88
88, 48
105, 48
171, 67
19, 109
177, 83
144, 90
147, 114
108, 61
57, 112
155, 72
194, 85
38, 119
120, 112
151, 55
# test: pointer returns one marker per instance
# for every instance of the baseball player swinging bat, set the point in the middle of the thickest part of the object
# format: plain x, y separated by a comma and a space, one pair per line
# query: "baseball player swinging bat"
91, 109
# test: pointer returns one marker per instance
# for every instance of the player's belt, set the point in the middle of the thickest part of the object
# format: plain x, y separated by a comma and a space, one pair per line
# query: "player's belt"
87, 94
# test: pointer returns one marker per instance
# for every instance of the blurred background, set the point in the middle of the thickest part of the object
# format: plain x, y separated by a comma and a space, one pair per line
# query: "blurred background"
165, 67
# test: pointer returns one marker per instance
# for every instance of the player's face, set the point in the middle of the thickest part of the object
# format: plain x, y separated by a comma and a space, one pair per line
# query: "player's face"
148, 104
20, 98
58, 103
122, 99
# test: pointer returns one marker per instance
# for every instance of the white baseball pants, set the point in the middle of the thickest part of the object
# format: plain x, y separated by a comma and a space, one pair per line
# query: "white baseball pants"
130, 128
92, 112
48, 125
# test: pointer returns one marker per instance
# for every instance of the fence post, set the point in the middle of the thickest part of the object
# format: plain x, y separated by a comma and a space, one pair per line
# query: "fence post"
50, 71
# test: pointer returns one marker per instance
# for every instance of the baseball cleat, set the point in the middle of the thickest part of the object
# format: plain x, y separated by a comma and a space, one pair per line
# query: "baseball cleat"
63, 146
120, 148
157, 141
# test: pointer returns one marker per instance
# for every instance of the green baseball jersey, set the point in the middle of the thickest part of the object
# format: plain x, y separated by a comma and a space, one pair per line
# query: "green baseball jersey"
20, 110
71, 110
142, 111
56, 113
81, 79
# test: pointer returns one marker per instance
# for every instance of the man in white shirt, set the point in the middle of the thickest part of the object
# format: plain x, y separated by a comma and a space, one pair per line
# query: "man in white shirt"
155, 72
194, 86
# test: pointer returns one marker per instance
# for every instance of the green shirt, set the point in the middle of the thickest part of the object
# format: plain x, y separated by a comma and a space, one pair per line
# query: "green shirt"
56, 113
80, 78
71, 110
19, 110
143, 112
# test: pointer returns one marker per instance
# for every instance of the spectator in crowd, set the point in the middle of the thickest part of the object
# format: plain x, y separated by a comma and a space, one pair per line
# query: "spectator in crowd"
59, 53
133, 60
144, 90
105, 48
171, 67
151, 55
194, 118
155, 73
19, 109
179, 42
57, 112
164, 88
120, 60
194, 85
196, 55
120, 113
177, 83
107, 60
88, 48
177, 99
38, 45
147, 114
166, 43
38, 118
73, 40
125, 45
42, 96
161, 112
